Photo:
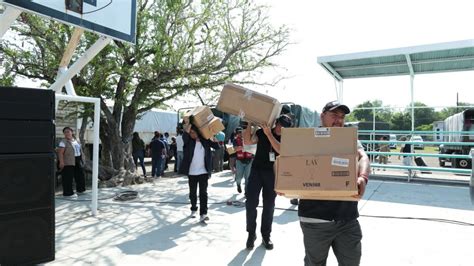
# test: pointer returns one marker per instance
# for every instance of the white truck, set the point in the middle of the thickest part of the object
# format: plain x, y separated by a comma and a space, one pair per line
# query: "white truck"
463, 121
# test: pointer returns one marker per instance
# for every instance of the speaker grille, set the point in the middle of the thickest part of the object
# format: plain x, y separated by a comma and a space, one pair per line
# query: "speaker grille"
27, 237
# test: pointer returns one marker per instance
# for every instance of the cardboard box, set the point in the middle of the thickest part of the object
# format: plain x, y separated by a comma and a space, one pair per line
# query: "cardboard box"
318, 141
248, 104
317, 176
201, 116
212, 128
230, 149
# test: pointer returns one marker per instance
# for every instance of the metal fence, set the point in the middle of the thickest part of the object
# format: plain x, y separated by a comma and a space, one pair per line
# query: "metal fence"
371, 150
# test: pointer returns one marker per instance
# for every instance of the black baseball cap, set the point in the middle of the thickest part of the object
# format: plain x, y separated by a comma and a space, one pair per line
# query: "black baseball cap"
331, 106
284, 121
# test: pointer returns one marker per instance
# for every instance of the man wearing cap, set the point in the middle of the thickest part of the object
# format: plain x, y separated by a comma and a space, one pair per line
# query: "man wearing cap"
334, 224
262, 177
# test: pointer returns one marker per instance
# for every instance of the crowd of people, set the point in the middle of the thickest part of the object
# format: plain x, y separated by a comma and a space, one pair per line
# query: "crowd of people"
325, 224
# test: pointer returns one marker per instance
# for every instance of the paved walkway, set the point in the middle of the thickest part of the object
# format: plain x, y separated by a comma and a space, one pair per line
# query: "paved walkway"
155, 229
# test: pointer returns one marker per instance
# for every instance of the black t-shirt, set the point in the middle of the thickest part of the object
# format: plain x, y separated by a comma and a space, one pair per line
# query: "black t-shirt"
264, 147
328, 209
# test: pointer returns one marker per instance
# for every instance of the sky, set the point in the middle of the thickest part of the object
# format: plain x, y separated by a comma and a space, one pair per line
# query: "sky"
323, 28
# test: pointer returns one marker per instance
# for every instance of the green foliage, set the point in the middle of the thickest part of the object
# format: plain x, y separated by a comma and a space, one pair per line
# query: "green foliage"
182, 48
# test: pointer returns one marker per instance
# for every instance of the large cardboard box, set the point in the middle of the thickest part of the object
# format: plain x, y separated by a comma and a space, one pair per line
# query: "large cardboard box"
326, 177
201, 116
318, 163
318, 141
212, 128
248, 104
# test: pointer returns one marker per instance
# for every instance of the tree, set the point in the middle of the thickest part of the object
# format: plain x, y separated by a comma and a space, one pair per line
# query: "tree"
423, 116
367, 114
449, 111
183, 47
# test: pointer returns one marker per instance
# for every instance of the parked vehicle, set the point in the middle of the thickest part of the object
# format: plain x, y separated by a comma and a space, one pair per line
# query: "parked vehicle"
463, 121
417, 139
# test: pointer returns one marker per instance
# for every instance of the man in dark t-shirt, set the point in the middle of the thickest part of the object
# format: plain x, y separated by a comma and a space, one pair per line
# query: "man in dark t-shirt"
327, 223
262, 177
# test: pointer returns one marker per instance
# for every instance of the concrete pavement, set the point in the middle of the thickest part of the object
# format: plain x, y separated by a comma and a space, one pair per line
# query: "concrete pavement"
403, 224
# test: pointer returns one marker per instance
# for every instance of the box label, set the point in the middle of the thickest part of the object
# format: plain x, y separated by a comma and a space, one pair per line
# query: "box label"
343, 162
340, 173
322, 132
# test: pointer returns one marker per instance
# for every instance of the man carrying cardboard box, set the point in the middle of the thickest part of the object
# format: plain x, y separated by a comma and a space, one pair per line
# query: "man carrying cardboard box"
262, 176
334, 224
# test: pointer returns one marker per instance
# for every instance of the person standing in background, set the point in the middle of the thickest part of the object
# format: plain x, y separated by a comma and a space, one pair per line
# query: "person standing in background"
71, 164
157, 148
219, 153
179, 148
243, 162
138, 152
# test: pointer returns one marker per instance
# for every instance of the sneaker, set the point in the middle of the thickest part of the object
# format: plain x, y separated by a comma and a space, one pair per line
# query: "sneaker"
73, 196
294, 201
193, 214
239, 189
267, 243
251, 240
80, 193
204, 218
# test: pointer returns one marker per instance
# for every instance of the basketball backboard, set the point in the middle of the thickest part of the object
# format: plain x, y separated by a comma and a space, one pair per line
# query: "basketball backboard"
114, 18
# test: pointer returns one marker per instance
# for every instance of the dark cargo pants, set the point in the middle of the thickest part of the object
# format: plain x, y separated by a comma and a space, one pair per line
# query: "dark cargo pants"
344, 238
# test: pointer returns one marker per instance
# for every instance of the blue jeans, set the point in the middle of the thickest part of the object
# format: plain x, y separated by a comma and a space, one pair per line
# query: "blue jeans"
242, 170
156, 162
179, 159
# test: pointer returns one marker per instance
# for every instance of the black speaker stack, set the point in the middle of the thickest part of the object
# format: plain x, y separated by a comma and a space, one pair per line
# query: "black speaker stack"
27, 174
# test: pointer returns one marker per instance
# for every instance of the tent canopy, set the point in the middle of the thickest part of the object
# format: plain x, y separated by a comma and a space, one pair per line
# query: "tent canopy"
423, 59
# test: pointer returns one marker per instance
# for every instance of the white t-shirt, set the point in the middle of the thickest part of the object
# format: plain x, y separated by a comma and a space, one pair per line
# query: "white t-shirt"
198, 166
179, 143
75, 145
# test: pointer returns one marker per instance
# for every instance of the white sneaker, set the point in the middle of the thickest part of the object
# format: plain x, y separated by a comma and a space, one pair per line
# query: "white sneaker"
204, 217
193, 214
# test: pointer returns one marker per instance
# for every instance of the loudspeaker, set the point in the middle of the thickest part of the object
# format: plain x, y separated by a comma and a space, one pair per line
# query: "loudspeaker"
27, 176
27, 237
26, 104
24, 136
26, 182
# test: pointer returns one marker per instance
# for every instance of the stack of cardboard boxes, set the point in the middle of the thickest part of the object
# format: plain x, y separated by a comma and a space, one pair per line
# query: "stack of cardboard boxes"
318, 163
249, 105
203, 118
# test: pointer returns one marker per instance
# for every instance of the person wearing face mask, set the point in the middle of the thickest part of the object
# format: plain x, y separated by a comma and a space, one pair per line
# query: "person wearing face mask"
262, 178
326, 223
197, 165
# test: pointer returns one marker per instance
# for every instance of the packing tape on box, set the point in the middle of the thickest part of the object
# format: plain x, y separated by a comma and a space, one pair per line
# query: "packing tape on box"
248, 95
241, 113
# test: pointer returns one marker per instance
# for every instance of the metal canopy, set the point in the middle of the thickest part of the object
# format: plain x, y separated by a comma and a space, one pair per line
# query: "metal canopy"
423, 59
